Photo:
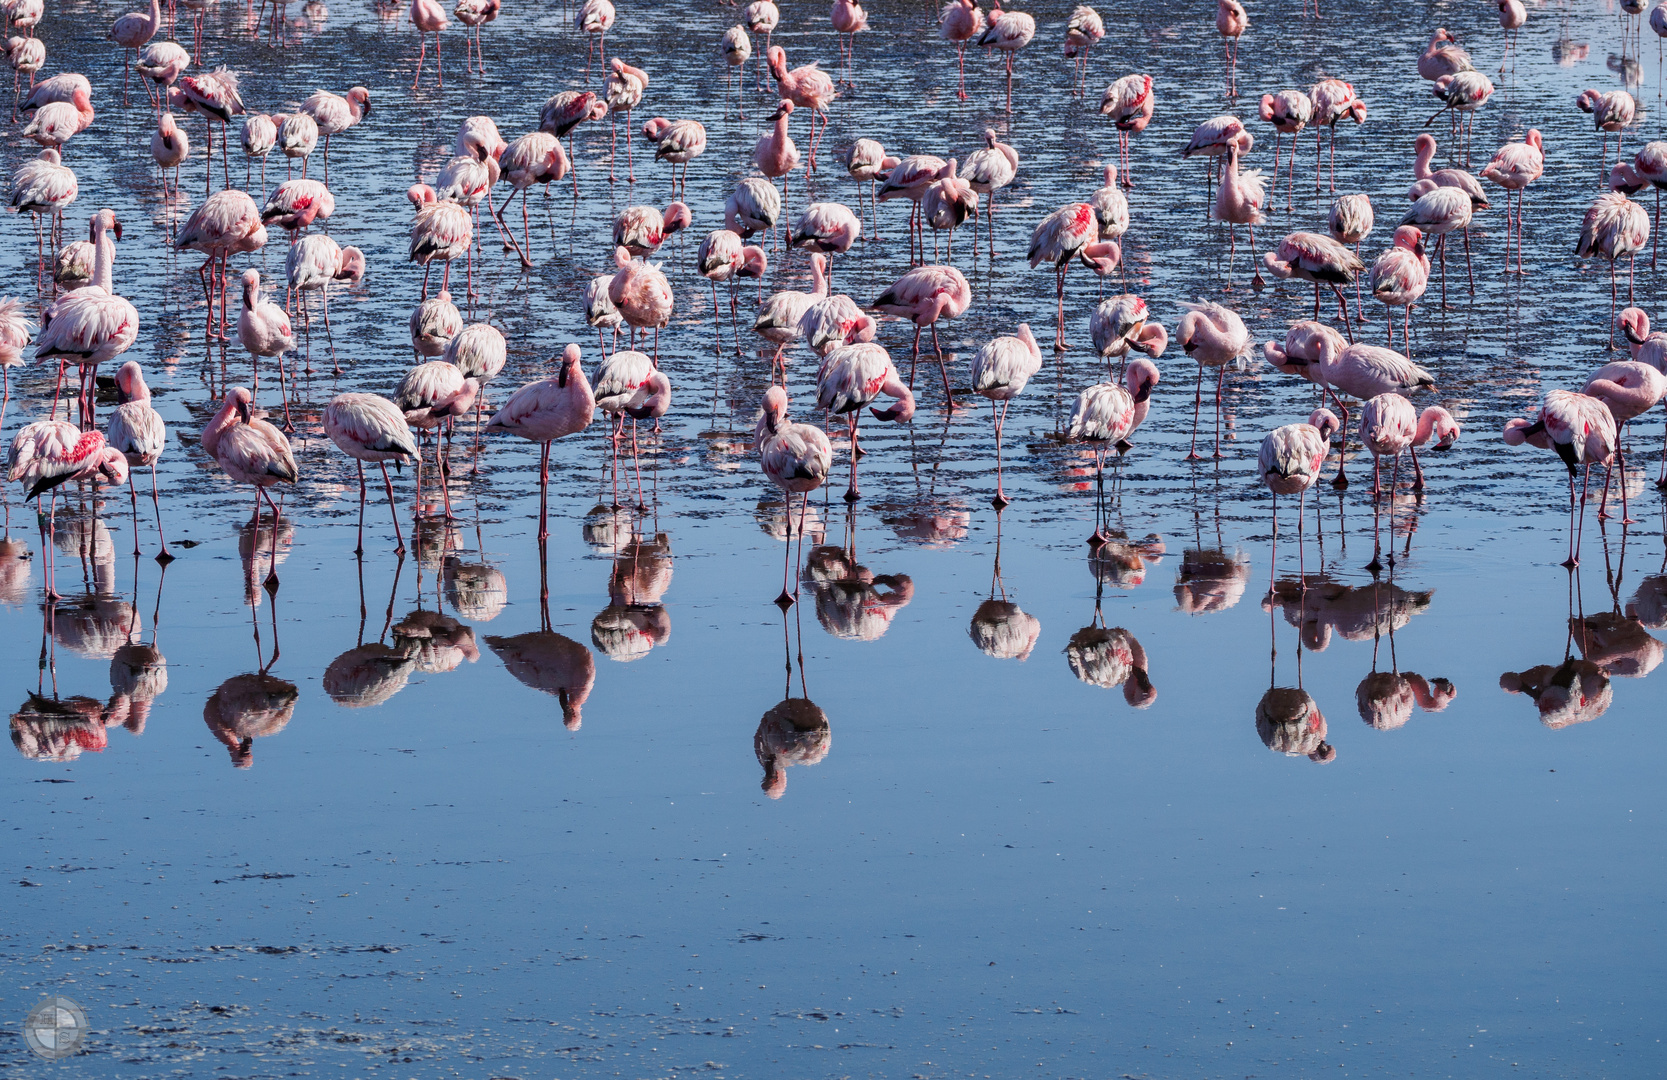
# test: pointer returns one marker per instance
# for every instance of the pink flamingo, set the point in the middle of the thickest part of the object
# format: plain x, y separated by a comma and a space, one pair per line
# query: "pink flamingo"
642, 229
848, 19
676, 142
1231, 23
992, 168
369, 427
263, 328
440, 232
923, 296
430, 18
1388, 426
622, 380
829, 228
775, 154
754, 206
251, 451
1580, 430
1629, 389
796, 458
1212, 138
1513, 16
1515, 166
297, 138
25, 56
1613, 111
1122, 323
91, 325
566, 111
600, 311
1650, 164
1059, 238
1438, 212
1350, 222
642, 294
295, 204
761, 17
653, 406
947, 203
215, 95
169, 146
1461, 95
534, 158
59, 87
1239, 201
547, 410
1443, 56
807, 87
1306, 344
835, 321
225, 224
1614, 228
1129, 103
478, 137
468, 182
908, 179
1289, 111
335, 113
960, 22
1289, 463
479, 351
1009, 31
1364, 372
1311, 257
1399, 277
778, 319
44, 186
1083, 30
595, 18
431, 397
623, 88
852, 377
717, 260
313, 264
433, 324
1106, 415
132, 31
736, 47
474, 14
14, 335
1334, 100
1000, 371
48, 453
1214, 336
137, 431
57, 122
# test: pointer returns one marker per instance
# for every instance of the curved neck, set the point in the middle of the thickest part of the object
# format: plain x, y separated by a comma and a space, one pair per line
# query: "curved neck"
104, 260
1421, 167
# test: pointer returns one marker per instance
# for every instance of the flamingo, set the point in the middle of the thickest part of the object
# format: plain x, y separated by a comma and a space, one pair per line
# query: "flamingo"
440, 232
1613, 111
137, 431
1213, 137
600, 311
1388, 426
775, 154
1334, 101
430, 18
959, 22
1111, 207
534, 158
621, 381
908, 179
642, 229
923, 296
369, 427
1581, 430
57, 122
224, 224
850, 378
1516, 165
1320, 259
807, 87
251, 451
1008, 31
946, 204
754, 206
778, 319
215, 95
161, 64
14, 335
1106, 415
1122, 323
48, 453
642, 295
259, 137
848, 19
263, 328
1650, 165
1443, 56
335, 113
1629, 389
313, 264
1512, 17
1083, 30
623, 88
566, 111
1462, 94
546, 410
1057, 239
131, 32
1214, 336
717, 260
866, 161
1350, 222
430, 397
169, 146
479, 351
72, 265
91, 325
736, 47
1288, 463
1614, 228
594, 19
295, 204
26, 56
1363, 372
1239, 201
1231, 23
834, 321
829, 228
297, 138
474, 14
1000, 371
1289, 111
677, 142
434, 323
1129, 103
60, 87
992, 168
43, 186
1399, 277
762, 17
796, 457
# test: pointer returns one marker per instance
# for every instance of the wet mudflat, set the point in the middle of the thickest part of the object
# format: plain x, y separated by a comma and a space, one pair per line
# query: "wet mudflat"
984, 802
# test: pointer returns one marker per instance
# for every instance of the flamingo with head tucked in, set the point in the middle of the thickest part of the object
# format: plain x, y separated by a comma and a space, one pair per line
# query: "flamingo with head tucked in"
923, 296
796, 458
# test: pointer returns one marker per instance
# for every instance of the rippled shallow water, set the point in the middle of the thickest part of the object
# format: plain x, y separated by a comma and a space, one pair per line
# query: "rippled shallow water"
982, 864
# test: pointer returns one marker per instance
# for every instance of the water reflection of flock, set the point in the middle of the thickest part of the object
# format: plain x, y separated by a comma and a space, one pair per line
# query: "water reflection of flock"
458, 590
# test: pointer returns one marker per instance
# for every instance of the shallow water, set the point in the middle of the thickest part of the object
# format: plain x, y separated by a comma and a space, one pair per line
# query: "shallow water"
984, 863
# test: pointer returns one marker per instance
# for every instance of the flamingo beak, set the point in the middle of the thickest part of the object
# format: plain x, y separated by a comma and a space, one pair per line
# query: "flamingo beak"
1143, 393
1631, 334
118, 230
244, 412
561, 376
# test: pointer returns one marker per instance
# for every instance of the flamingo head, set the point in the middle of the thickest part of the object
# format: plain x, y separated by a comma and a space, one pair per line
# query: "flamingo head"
1111, 175
1634, 323
990, 139
901, 412
655, 129
676, 218
1587, 101
1326, 421
50, 156
251, 286
360, 97
1357, 113
1443, 427
1187, 330
1141, 376
784, 109
352, 266
775, 409
1533, 139
104, 221
1411, 238
1152, 340
112, 466
420, 195
1424, 145
776, 57
1266, 108
130, 383
242, 402
754, 263
1521, 431
1625, 179
570, 364
622, 258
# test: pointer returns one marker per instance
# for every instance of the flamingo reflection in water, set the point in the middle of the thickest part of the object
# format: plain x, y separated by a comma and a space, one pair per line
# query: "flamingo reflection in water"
1385, 698
552, 664
370, 673
852, 601
1109, 658
1121, 562
1317, 605
477, 591
1000, 628
248, 707
1578, 690
435, 641
58, 730
635, 620
795, 730
1288, 719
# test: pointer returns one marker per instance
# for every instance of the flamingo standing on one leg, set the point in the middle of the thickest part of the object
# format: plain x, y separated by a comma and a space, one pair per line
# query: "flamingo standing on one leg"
1614, 228
1231, 23
623, 89
1106, 415
567, 110
1009, 31
91, 325
960, 22
1513, 16
546, 410
796, 458
1000, 371
1083, 30
369, 427
866, 162
1129, 103
621, 381
594, 19
1214, 336
1059, 238
852, 377
440, 232
1398, 278
1289, 463
251, 451
1581, 430
1239, 201
136, 429
761, 17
